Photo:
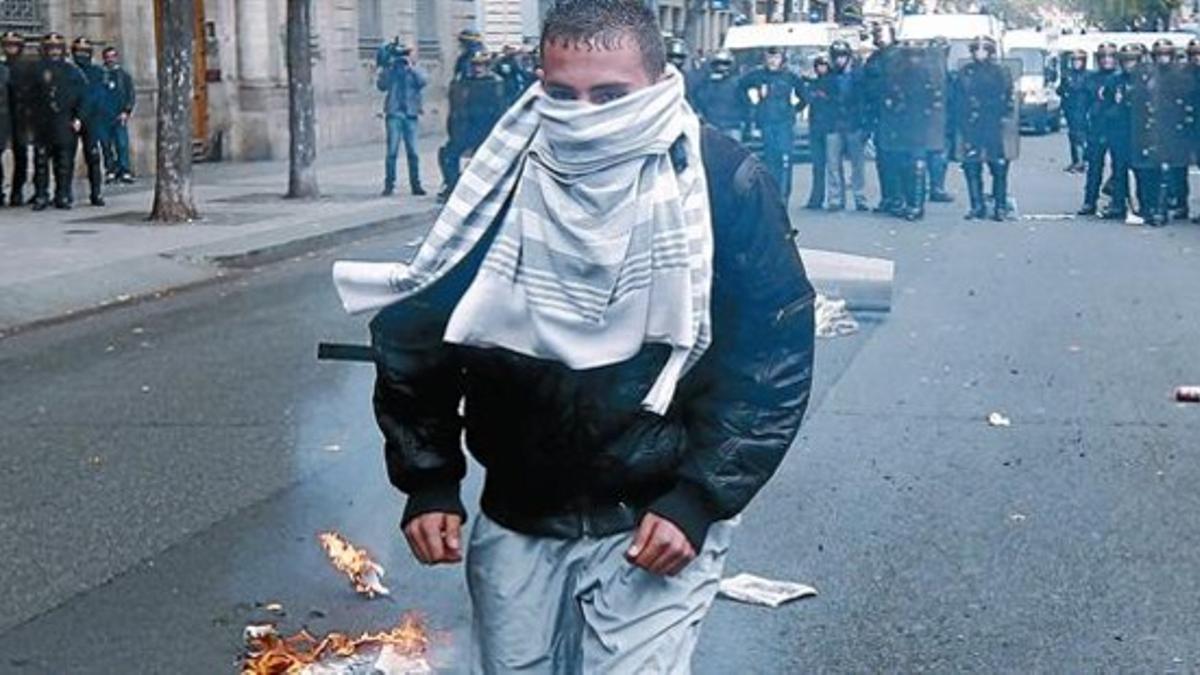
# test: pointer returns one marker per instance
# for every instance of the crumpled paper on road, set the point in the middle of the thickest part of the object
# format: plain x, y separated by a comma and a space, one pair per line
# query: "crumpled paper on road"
756, 590
389, 661
833, 319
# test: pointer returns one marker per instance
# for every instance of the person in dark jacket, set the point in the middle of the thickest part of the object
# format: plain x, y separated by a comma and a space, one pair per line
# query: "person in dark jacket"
404, 84
887, 167
1073, 89
983, 98
844, 140
119, 97
610, 488
779, 96
470, 43
476, 102
719, 99
820, 123
20, 98
58, 90
92, 134
1098, 140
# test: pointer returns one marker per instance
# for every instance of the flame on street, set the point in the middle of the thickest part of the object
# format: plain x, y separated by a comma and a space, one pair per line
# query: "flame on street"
270, 654
365, 574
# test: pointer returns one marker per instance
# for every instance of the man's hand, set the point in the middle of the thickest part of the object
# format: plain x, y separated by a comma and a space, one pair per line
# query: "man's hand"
123, 118
660, 547
76, 126
435, 538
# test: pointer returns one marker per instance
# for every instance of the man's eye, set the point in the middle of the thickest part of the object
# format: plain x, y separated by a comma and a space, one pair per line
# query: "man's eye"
609, 97
562, 95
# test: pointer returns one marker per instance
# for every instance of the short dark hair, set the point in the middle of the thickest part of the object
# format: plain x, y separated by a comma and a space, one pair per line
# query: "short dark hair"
603, 24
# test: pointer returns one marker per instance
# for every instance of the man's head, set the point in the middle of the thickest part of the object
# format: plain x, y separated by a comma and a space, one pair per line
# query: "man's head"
1129, 56
983, 48
481, 62
774, 58
111, 56
12, 43
54, 46
839, 54
820, 64
722, 61
1078, 59
82, 50
597, 51
677, 53
1164, 52
882, 35
1106, 56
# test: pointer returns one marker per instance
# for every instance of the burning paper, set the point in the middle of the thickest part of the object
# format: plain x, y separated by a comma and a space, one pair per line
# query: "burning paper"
756, 590
401, 651
365, 574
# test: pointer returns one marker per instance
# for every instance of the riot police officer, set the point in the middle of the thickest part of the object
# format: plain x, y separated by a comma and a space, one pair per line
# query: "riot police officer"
1117, 123
1172, 200
476, 103
820, 122
938, 161
20, 97
890, 199
1073, 91
470, 43
91, 134
516, 77
984, 108
1098, 141
1193, 57
677, 55
58, 91
845, 139
5, 123
780, 96
718, 99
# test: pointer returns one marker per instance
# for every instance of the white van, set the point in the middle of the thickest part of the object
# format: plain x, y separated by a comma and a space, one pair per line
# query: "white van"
1040, 104
958, 29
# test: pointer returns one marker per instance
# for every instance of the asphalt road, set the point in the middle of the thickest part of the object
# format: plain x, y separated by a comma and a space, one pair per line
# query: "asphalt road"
164, 468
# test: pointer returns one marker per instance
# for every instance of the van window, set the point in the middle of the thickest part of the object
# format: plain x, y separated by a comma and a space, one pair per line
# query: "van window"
1033, 61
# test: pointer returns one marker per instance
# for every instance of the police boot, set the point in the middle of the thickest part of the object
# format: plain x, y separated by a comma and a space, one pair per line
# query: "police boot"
999, 171
975, 194
916, 196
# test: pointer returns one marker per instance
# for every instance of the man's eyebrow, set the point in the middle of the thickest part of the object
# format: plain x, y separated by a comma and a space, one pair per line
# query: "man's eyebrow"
609, 86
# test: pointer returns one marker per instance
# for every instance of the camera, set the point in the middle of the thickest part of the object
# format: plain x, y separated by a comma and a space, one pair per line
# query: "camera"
394, 53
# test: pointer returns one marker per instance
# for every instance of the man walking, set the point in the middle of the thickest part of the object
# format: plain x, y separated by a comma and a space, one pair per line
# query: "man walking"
476, 102
119, 97
613, 295
404, 84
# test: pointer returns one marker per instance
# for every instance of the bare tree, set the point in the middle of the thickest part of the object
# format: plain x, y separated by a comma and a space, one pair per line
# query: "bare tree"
173, 202
302, 151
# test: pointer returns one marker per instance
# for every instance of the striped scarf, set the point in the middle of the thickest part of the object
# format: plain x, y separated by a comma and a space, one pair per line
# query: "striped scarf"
605, 247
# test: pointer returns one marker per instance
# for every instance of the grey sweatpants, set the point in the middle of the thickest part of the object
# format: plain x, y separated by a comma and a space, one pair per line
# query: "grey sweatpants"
565, 607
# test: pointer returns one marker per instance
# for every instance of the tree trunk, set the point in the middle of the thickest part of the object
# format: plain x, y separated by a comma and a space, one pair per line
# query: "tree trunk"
302, 130
173, 201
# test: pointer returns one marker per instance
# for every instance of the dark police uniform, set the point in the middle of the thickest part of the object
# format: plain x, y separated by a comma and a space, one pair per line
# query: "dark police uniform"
1076, 98
5, 123
775, 115
720, 101
57, 102
886, 163
20, 98
91, 116
820, 123
1098, 142
983, 99
1117, 130
476, 103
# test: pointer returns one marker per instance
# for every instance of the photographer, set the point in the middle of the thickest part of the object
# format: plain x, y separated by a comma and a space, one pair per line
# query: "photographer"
403, 83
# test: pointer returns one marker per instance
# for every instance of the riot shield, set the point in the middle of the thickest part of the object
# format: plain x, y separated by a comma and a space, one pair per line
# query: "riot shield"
912, 113
987, 125
1162, 101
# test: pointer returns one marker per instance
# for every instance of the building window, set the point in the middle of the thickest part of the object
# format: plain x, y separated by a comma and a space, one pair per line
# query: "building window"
370, 27
23, 16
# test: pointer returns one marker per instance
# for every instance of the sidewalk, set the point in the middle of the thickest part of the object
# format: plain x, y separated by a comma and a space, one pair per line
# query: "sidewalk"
58, 263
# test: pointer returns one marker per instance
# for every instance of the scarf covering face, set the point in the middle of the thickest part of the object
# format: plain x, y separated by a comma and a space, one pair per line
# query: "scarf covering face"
605, 247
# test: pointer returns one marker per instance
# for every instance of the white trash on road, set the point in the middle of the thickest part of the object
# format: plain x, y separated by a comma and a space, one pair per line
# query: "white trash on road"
833, 319
756, 590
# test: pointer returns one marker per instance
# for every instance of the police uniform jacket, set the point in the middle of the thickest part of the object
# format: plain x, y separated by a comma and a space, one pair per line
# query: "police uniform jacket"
983, 99
721, 101
5, 110
58, 95
476, 103
776, 89
1116, 113
1073, 89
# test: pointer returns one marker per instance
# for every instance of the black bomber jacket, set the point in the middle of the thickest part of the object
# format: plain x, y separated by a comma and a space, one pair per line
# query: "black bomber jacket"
570, 453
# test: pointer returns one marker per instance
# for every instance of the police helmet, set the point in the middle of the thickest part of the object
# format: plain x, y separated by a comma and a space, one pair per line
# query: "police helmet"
1163, 47
1105, 50
11, 37
840, 48
82, 45
722, 56
470, 35
53, 41
1193, 48
677, 50
983, 43
1130, 53
820, 60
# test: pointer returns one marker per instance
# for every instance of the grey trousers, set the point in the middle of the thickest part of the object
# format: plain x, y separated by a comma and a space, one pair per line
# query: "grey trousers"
839, 146
566, 607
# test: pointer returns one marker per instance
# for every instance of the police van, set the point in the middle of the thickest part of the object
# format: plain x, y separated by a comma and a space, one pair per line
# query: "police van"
801, 42
1040, 104
958, 29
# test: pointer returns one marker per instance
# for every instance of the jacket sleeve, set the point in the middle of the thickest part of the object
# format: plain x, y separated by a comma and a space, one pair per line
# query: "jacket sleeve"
130, 93
381, 80
417, 391
743, 403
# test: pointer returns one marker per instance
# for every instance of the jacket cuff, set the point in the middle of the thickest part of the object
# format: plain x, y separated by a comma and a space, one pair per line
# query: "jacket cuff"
432, 499
686, 507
